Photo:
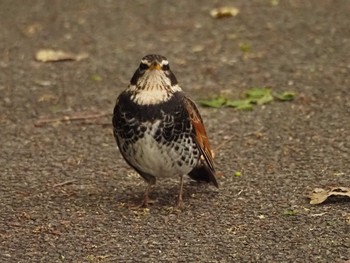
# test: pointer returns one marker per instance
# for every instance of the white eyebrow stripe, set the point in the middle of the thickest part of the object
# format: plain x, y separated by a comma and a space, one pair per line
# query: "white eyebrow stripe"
144, 61
162, 63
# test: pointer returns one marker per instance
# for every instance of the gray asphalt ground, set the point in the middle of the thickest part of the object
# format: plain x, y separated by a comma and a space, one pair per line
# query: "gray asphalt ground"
65, 192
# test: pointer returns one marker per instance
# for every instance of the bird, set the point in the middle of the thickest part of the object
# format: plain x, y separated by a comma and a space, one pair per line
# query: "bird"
159, 130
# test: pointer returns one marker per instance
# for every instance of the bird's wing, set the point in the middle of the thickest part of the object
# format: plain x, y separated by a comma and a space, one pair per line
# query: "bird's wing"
200, 133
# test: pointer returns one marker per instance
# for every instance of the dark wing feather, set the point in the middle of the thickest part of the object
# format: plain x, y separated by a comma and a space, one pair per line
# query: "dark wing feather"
125, 130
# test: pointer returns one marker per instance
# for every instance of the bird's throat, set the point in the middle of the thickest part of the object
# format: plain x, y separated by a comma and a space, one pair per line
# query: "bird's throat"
151, 96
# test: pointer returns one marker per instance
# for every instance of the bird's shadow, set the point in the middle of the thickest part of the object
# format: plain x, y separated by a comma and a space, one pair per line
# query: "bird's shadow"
164, 195
128, 195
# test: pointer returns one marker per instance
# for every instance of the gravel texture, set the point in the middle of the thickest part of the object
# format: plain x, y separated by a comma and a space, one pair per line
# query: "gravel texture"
65, 192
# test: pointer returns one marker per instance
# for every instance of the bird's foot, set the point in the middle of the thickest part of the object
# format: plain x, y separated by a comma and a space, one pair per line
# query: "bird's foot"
146, 201
179, 204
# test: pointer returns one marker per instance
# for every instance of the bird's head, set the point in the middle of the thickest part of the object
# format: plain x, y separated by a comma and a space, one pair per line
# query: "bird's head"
153, 81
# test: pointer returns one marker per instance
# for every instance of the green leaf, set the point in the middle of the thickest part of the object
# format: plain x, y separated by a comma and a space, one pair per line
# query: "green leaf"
240, 104
265, 99
259, 95
214, 103
285, 96
256, 93
237, 174
245, 47
96, 77
290, 212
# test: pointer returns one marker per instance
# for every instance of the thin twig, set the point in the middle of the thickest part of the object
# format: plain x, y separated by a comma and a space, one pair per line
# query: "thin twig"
65, 183
239, 192
223, 143
254, 132
75, 117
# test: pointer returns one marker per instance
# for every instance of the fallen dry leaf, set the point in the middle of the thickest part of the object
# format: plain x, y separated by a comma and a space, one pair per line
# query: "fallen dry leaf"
224, 11
43, 83
50, 55
319, 195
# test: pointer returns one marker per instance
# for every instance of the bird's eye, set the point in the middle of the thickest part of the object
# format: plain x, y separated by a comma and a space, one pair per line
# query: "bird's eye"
143, 66
165, 67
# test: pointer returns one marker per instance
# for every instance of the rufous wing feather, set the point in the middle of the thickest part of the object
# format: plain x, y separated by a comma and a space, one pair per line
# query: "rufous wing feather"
201, 139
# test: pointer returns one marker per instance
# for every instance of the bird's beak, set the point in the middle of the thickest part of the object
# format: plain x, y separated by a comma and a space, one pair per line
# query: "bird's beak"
154, 66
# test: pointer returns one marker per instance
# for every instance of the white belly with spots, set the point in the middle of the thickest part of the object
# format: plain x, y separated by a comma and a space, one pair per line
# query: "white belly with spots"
161, 158
158, 159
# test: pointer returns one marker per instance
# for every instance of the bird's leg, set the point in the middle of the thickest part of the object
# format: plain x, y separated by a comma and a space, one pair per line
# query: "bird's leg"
179, 202
146, 200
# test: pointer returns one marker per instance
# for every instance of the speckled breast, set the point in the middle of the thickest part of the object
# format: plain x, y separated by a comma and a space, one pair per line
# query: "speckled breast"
156, 139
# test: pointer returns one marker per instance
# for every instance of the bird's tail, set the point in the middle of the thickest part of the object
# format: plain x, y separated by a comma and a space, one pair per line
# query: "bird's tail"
203, 173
